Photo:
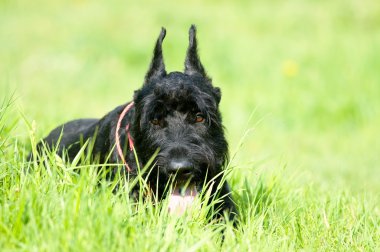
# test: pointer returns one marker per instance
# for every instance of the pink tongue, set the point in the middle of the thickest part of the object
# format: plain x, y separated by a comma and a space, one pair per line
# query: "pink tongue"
180, 199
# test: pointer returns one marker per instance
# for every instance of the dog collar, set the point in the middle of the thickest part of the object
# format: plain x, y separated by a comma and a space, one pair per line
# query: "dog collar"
117, 136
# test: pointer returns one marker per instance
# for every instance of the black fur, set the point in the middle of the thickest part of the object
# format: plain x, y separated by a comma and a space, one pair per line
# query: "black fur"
175, 113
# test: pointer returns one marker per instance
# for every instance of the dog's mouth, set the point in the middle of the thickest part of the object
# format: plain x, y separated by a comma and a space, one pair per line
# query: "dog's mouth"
182, 197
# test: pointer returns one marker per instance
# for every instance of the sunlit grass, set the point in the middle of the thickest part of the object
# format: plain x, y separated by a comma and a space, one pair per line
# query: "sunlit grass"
53, 205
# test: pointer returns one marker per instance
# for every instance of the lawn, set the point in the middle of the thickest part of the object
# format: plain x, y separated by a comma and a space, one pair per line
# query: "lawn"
300, 103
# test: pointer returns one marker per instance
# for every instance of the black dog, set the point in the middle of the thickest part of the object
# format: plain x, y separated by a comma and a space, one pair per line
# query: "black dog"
176, 114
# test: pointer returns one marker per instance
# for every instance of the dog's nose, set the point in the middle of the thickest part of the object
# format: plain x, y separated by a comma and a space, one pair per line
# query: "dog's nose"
180, 167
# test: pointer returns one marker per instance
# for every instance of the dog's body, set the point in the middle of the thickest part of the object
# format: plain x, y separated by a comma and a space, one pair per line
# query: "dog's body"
176, 114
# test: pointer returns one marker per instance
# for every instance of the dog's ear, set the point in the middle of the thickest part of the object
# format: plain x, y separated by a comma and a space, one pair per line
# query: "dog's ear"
218, 94
157, 66
193, 65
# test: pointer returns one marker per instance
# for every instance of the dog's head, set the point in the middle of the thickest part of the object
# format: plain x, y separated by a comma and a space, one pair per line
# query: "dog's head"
177, 113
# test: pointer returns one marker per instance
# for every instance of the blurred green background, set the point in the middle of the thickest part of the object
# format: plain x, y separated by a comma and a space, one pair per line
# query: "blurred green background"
301, 78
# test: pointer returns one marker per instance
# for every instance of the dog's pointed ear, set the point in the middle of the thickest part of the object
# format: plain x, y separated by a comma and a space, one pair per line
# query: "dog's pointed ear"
192, 63
217, 94
157, 66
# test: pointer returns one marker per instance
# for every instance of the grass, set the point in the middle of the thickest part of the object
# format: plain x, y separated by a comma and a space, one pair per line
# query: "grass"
300, 105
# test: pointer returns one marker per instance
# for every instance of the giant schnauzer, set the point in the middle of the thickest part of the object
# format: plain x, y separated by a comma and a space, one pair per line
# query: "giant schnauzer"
174, 115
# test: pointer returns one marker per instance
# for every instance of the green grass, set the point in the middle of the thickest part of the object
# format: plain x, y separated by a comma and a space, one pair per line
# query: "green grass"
300, 83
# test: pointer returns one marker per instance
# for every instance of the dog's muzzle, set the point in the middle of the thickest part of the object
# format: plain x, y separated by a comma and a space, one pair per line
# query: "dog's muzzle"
184, 191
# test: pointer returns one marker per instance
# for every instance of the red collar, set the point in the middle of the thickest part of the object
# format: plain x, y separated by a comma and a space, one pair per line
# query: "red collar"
117, 136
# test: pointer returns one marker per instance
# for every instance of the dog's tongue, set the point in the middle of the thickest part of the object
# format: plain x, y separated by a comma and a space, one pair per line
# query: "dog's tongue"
181, 198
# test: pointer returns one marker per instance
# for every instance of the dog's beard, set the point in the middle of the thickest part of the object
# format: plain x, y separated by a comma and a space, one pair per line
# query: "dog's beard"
184, 191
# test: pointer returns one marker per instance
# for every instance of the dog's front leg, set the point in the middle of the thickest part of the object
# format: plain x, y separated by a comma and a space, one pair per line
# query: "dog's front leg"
227, 204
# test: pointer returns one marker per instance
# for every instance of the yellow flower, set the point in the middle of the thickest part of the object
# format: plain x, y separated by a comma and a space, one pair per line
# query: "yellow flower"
290, 68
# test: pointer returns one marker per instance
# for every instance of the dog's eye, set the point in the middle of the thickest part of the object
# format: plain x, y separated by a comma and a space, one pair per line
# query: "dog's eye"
155, 121
199, 117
